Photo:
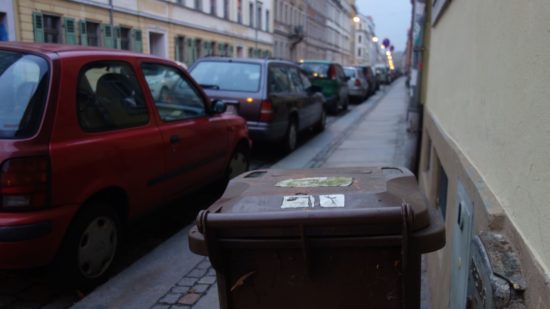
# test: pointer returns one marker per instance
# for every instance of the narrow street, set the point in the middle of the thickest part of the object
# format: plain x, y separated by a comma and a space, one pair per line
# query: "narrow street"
161, 233
372, 133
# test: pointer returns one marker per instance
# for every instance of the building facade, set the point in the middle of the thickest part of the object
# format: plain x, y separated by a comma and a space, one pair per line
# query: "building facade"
183, 30
366, 50
289, 29
485, 155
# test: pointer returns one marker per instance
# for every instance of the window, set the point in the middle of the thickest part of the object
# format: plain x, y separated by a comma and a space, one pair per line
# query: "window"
228, 76
240, 11
213, 7
305, 80
109, 98
198, 5
175, 98
3, 27
52, 28
92, 33
278, 79
295, 79
251, 14
226, 9
180, 49
360, 38
24, 86
267, 20
259, 16
125, 38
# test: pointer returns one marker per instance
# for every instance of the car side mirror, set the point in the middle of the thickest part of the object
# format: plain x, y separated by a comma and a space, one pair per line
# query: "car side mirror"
218, 106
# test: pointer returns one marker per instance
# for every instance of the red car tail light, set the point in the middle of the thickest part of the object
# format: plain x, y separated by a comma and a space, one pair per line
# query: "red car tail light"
266, 111
357, 82
24, 183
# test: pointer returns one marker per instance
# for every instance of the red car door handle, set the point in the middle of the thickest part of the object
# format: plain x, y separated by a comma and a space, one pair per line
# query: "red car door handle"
174, 139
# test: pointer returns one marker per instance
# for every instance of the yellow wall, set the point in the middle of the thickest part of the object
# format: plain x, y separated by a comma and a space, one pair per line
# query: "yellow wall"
489, 89
162, 10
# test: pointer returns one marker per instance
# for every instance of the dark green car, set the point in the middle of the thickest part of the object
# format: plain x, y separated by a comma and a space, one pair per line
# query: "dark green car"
330, 77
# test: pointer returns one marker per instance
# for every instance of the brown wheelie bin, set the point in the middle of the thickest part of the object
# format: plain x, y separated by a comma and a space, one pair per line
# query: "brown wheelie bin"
319, 238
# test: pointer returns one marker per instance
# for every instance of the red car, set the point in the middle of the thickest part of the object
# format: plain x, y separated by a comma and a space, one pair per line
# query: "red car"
85, 147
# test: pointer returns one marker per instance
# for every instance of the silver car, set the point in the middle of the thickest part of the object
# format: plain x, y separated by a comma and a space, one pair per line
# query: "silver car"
357, 83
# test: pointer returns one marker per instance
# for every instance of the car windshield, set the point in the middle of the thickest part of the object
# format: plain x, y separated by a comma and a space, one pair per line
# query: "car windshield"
349, 72
319, 70
23, 87
228, 76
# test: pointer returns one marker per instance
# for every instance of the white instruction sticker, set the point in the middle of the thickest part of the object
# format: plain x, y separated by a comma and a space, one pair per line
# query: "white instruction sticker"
298, 201
332, 200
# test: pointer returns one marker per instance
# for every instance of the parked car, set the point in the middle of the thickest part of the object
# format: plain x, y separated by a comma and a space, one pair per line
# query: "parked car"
382, 74
357, 84
86, 146
275, 97
374, 85
330, 77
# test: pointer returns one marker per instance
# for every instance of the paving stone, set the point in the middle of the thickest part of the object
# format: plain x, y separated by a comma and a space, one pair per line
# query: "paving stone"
196, 273
187, 281
180, 289
61, 303
200, 288
189, 299
207, 280
160, 307
211, 272
170, 298
204, 265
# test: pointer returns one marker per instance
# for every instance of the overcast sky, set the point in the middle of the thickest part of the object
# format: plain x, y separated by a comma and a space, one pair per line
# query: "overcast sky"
392, 19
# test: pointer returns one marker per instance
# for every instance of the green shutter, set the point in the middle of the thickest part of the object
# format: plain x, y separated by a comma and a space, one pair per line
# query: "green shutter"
70, 30
117, 36
251, 52
221, 49
189, 58
38, 26
206, 48
138, 44
177, 43
83, 33
107, 31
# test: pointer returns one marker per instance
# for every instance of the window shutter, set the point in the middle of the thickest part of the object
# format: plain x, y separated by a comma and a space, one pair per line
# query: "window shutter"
177, 43
251, 52
38, 25
206, 47
138, 44
83, 33
70, 30
107, 35
190, 58
221, 49
117, 36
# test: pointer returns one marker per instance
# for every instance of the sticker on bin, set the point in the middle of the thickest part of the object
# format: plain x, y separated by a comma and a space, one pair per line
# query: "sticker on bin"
332, 200
314, 182
298, 201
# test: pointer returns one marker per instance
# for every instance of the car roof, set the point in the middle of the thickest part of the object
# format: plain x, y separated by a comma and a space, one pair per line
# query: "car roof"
63, 49
249, 60
319, 61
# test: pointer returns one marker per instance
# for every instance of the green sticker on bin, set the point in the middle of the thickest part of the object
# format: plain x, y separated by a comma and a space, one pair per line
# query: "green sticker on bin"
314, 182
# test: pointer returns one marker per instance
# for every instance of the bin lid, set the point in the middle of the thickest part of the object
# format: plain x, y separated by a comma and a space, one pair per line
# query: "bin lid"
325, 201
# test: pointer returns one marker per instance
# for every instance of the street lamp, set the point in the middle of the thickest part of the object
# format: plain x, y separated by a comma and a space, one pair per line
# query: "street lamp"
374, 39
356, 19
